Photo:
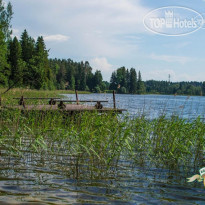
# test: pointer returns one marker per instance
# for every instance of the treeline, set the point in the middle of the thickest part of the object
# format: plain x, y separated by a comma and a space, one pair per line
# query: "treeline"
177, 88
74, 75
127, 81
24, 63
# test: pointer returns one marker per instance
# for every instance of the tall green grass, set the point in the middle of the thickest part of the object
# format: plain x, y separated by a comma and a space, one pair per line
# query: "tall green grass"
97, 141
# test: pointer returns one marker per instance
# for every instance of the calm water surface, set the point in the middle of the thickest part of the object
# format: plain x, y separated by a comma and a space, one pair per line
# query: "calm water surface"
41, 179
153, 105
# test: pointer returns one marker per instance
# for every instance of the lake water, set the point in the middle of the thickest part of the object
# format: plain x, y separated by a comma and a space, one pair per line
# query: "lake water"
51, 180
40, 179
152, 105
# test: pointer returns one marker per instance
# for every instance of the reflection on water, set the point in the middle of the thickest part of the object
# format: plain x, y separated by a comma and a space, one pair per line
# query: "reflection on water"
58, 179
153, 105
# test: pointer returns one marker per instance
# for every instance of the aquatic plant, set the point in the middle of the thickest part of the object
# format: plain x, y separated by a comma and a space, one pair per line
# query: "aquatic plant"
93, 140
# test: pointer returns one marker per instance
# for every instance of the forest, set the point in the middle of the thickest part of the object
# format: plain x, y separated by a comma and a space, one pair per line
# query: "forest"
25, 63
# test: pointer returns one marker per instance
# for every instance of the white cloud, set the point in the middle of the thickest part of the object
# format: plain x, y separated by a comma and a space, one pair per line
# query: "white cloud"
93, 25
172, 58
102, 65
159, 74
176, 75
58, 38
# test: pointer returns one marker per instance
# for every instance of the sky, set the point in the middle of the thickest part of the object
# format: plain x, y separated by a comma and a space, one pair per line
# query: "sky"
111, 34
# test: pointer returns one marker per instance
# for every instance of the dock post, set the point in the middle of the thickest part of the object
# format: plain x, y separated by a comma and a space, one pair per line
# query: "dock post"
22, 102
114, 102
76, 94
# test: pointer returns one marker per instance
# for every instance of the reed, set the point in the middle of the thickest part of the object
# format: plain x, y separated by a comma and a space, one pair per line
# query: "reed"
96, 140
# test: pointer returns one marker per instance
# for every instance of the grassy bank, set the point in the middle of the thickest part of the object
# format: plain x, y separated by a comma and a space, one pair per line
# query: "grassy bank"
7, 98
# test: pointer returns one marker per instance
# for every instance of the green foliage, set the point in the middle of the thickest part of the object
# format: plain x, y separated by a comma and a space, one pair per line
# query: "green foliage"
123, 90
125, 81
16, 63
28, 47
4, 70
103, 139
97, 89
133, 81
140, 84
73, 75
27, 64
5, 32
6, 14
178, 88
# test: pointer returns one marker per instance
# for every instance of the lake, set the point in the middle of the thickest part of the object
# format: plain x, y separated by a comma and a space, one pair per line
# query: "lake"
37, 178
153, 105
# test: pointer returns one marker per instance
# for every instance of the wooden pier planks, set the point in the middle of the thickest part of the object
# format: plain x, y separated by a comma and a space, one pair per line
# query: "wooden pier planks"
68, 108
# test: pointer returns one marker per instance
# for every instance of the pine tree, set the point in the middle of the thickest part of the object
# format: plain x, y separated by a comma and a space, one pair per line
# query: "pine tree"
28, 46
140, 84
70, 75
90, 81
16, 62
127, 80
133, 81
6, 14
98, 78
5, 32
4, 67
113, 81
39, 66
61, 76
28, 51
82, 77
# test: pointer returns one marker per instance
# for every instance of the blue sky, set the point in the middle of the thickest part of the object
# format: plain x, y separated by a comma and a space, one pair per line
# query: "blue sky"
110, 34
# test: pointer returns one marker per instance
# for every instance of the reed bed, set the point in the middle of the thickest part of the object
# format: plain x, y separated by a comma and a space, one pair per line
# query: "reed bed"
95, 141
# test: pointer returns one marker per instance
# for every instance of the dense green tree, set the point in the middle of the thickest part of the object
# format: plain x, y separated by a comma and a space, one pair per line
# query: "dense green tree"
5, 33
182, 88
128, 80
28, 46
133, 81
6, 14
16, 63
82, 77
98, 79
140, 84
70, 75
28, 60
90, 82
113, 81
39, 67
4, 66
125, 81
61, 77
28, 53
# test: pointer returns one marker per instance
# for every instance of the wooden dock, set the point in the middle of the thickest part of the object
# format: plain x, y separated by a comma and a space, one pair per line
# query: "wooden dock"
57, 104
69, 108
